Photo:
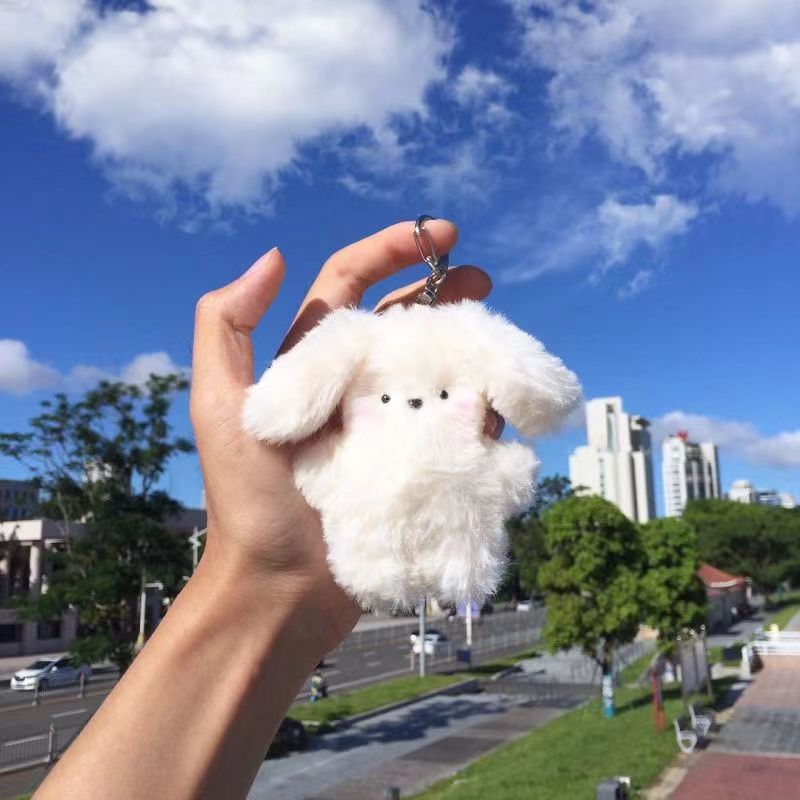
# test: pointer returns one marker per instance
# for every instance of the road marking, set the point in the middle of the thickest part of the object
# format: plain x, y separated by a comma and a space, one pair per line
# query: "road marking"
371, 664
370, 652
330, 672
26, 739
68, 713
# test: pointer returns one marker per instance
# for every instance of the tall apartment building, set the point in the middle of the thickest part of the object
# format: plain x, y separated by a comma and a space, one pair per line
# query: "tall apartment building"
743, 491
617, 461
18, 499
690, 472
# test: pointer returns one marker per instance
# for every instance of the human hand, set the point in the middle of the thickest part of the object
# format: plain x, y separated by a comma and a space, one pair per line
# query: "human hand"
260, 529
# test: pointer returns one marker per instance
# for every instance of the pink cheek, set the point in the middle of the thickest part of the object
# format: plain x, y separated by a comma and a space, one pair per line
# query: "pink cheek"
361, 413
468, 407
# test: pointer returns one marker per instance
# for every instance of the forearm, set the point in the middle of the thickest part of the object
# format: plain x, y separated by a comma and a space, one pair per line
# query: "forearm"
193, 716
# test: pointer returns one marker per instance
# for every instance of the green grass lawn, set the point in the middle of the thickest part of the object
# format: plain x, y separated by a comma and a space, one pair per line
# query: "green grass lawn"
346, 704
339, 706
781, 616
568, 757
635, 669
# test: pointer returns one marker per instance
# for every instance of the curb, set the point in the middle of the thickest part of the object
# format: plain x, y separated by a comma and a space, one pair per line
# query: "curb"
469, 685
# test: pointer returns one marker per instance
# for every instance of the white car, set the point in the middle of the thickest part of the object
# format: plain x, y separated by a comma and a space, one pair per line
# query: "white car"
435, 642
50, 673
535, 601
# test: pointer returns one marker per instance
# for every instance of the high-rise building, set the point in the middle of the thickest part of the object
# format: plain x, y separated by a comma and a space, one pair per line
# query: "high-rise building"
743, 491
617, 461
690, 472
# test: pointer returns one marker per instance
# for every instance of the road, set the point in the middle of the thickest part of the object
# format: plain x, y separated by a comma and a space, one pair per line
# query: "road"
365, 746
376, 654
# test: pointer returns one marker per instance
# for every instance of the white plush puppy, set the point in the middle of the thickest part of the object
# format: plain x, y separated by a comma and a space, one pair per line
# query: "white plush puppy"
412, 493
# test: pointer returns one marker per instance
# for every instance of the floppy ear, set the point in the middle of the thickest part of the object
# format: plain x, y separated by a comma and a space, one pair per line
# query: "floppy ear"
532, 389
302, 388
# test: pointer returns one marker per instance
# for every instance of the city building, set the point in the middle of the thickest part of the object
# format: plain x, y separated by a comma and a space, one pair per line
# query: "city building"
18, 499
617, 461
743, 491
690, 472
22, 547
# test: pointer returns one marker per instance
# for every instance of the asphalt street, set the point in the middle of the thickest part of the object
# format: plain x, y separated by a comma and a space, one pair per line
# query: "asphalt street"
360, 748
377, 654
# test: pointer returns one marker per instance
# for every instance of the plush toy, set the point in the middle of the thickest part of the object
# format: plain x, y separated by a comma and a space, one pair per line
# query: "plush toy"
412, 494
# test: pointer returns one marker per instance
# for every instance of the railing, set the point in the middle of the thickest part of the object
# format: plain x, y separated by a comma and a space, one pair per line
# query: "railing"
45, 747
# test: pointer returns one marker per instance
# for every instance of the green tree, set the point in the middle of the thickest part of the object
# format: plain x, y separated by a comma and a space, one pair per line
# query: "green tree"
526, 537
591, 579
673, 594
755, 541
99, 460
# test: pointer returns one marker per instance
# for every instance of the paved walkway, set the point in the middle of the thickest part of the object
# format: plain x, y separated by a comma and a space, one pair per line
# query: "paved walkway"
757, 753
409, 748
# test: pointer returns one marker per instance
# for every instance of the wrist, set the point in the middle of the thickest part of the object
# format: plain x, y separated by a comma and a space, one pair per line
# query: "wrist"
309, 612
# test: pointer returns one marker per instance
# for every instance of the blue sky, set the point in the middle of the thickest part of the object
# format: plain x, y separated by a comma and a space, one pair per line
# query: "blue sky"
630, 178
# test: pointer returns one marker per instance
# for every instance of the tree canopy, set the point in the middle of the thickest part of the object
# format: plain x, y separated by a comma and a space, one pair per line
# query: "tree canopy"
591, 577
673, 594
99, 460
526, 535
752, 540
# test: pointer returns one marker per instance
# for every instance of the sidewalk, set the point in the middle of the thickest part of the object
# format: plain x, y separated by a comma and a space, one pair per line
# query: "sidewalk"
757, 753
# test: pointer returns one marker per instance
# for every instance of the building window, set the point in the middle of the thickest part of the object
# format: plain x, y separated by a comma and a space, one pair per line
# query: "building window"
51, 629
10, 633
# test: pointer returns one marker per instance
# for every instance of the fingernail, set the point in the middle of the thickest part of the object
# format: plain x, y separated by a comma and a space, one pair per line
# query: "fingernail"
263, 261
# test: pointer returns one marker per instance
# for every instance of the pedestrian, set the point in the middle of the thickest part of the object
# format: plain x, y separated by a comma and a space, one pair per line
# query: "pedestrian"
319, 688
193, 716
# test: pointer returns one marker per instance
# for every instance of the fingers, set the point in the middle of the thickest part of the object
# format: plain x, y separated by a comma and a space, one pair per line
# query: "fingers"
351, 271
463, 283
222, 356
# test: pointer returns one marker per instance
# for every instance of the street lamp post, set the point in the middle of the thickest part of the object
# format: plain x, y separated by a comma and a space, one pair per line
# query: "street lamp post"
422, 638
194, 540
142, 601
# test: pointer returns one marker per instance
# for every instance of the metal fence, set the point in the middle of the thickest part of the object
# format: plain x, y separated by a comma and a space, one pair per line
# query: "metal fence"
45, 747
453, 629
85, 686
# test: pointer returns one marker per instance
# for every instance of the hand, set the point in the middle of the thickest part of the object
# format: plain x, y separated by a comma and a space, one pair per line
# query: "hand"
259, 526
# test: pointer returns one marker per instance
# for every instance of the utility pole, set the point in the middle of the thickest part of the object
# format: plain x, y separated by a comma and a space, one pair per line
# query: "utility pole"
422, 638
468, 620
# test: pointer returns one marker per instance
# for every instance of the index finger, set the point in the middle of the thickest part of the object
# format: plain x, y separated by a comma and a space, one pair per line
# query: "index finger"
348, 273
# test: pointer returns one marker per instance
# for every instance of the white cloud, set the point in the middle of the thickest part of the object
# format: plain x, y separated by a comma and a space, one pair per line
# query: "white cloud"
219, 98
637, 284
21, 374
479, 87
664, 78
147, 364
597, 240
622, 227
34, 34
740, 439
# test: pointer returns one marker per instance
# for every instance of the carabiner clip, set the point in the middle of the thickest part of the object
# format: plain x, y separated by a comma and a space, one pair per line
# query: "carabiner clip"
437, 264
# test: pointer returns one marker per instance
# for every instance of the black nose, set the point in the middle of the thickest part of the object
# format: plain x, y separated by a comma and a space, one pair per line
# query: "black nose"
415, 402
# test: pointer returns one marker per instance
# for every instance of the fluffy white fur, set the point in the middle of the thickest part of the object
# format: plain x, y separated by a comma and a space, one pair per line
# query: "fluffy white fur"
412, 499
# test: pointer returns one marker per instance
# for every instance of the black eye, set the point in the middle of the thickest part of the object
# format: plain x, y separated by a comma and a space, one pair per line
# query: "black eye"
444, 394
385, 398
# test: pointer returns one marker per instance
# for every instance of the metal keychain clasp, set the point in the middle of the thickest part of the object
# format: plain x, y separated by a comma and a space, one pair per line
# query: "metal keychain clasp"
438, 264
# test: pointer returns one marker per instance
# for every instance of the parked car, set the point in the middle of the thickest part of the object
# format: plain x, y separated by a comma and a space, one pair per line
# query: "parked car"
49, 673
534, 601
291, 735
435, 641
